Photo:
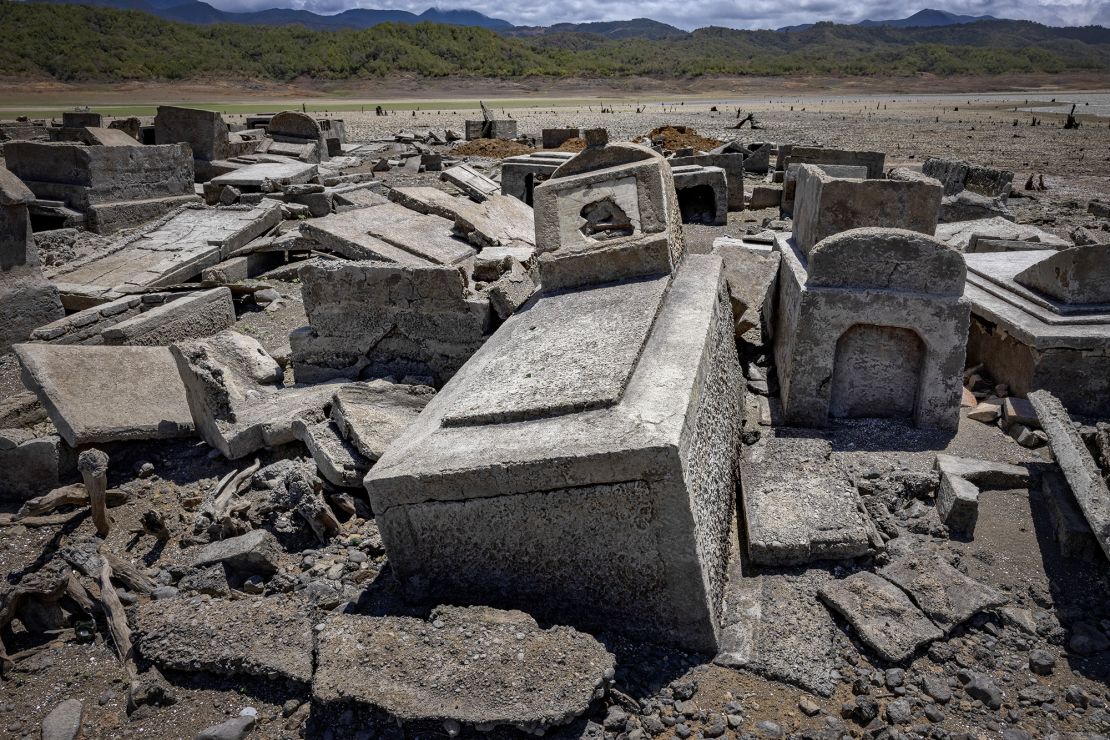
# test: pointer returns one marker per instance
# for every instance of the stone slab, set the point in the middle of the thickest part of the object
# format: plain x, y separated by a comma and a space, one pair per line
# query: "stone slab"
985, 474
499, 220
107, 394
336, 458
267, 177
751, 276
415, 238
268, 638
883, 616
799, 506
470, 181
582, 360
1075, 461
471, 665
959, 234
200, 314
946, 595
1069, 525
372, 415
958, 504
31, 465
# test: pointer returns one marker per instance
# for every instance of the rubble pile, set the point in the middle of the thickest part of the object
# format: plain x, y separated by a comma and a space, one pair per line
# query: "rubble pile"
320, 438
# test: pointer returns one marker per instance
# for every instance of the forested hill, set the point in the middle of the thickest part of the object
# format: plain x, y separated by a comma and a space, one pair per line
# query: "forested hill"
81, 43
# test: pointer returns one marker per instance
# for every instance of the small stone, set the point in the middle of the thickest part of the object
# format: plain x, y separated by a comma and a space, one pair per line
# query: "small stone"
985, 412
1076, 696
64, 721
808, 707
899, 712
253, 585
894, 677
144, 469
164, 592
934, 713
1042, 662
232, 729
984, 689
769, 728
936, 687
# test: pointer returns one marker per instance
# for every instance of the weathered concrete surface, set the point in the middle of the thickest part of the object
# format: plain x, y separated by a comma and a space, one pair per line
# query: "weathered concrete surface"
171, 251
790, 179
474, 665
1079, 468
256, 551
1030, 341
31, 464
961, 234
945, 594
107, 394
958, 175
883, 616
827, 205
521, 174
266, 177
299, 128
702, 194
269, 638
733, 166
499, 220
232, 388
799, 505
27, 300
372, 415
969, 206
1069, 525
337, 459
470, 181
644, 485
373, 319
875, 325
408, 236
610, 213
1075, 275
958, 504
199, 314
873, 161
986, 474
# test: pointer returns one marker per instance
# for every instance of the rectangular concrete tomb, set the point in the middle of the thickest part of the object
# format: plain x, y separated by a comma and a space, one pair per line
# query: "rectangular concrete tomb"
589, 481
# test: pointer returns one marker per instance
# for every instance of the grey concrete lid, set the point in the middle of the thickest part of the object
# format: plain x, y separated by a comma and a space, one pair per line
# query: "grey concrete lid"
636, 438
887, 259
12, 190
1076, 275
604, 157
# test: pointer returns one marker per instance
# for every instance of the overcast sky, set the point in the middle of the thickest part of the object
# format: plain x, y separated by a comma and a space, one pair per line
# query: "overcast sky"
690, 14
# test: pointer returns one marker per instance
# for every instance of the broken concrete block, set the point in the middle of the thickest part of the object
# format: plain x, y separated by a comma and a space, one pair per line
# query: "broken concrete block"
958, 176
489, 128
337, 459
610, 213
1018, 411
267, 177
875, 162
521, 174
470, 181
199, 314
373, 319
799, 506
968, 206
826, 205
883, 616
31, 464
958, 504
511, 291
107, 394
27, 300
390, 233
499, 220
232, 389
64, 721
986, 412
1075, 461
983, 473
871, 323
790, 179
628, 385
268, 638
945, 594
553, 138
115, 186
751, 276
372, 415
1069, 525
733, 166
966, 235
512, 681
256, 551
765, 196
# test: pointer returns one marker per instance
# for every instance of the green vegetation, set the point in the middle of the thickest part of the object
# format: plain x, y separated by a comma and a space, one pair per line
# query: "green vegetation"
74, 43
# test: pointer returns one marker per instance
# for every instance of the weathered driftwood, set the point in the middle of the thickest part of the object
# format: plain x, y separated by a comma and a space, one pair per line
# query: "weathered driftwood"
93, 465
71, 495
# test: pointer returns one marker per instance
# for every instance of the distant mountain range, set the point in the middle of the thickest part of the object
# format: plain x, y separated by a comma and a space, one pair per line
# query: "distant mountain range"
201, 13
927, 18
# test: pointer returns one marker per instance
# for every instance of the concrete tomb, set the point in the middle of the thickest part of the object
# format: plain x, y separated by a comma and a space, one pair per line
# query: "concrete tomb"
875, 162
299, 130
207, 135
521, 174
957, 176
826, 205
840, 171
376, 319
27, 299
1041, 320
553, 138
502, 128
703, 194
581, 465
114, 187
871, 323
733, 166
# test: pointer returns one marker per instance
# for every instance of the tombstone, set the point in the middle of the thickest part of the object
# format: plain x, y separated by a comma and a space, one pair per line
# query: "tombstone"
490, 129
875, 162
1041, 320
958, 175
113, 187
206, 133
733, 166
553, 138
790, 180
297, 128
521, 174
871, 322
27, 300
826, 205
580, 466
703, 194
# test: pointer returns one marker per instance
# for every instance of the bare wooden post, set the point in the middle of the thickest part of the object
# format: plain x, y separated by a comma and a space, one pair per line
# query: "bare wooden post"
93, 465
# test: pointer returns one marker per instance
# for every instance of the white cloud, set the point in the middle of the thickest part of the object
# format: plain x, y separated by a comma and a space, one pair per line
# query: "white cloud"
692, 14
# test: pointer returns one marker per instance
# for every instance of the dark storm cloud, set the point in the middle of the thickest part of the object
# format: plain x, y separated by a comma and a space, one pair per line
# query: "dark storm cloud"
691, 14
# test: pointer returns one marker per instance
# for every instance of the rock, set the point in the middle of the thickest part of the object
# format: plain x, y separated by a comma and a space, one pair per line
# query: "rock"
372, 415
64, 721
769, 728
936, 686
1042, 662
211, 581
945, 594
256, 551
899, 712
983, 688
254, 637
232, 729
986, 412
885, 618
1087, 639
500, 661
809, 707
